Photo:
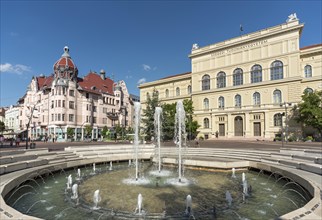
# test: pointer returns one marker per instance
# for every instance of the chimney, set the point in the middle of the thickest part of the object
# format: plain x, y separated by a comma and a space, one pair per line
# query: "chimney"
102, 72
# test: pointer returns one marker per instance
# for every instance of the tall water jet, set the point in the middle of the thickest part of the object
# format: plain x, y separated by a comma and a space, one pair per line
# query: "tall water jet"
75, 191
243, 177
96, 199
78, 174
157, 129
188, 205
69, 181
139, 205
137, 116
111, 165
180, 132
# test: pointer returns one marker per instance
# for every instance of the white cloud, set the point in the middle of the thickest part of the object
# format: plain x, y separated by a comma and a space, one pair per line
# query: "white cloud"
146, 67
17, 69
142, 80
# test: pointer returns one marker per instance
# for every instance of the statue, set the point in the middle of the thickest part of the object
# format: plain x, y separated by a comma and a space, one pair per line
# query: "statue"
195, 46
292, 17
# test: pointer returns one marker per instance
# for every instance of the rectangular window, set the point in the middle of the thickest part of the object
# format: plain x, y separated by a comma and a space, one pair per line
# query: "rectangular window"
94, 119
71, 117
63, 117
94, 108
104, 110
104, 120
52, 117
59, 102
71, 104
55, 117
58, 118
52, 104
71, 93
63, 103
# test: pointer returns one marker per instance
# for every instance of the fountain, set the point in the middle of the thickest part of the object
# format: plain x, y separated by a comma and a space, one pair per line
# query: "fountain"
188, 205
69, 181
233, 173
79, 176
139, 205
96, 199
75, 191
229, 199
111, 166
180, 133
157, 129
137, 114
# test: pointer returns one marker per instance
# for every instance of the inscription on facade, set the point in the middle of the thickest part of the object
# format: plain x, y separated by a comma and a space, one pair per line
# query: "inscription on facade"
246, 46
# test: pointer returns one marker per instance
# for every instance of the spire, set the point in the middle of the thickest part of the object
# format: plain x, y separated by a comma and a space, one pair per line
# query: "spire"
66, 52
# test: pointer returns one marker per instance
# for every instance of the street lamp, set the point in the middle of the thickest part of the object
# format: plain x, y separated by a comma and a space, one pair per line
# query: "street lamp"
285, 104
31, 109
282, 133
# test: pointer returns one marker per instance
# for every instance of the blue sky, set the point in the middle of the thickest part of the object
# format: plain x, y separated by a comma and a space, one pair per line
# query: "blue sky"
137, 41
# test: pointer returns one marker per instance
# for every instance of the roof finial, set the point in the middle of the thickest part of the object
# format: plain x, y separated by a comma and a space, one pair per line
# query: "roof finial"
66, 52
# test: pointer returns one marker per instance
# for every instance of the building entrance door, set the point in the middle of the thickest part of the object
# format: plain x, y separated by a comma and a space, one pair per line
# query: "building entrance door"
222, 130
257, 129
238, 126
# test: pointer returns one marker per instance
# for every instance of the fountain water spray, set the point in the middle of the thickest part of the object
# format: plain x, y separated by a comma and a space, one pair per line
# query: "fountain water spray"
157, 129
229, 198
78, 174
233, 173
75, 191
94, 168
137, 111
111, 165
243, 177
69, 181
96, 199
188, 205
180, 132
140, 202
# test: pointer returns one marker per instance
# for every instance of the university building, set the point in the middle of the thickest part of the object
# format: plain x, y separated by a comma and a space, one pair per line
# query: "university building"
241, 87
54, 103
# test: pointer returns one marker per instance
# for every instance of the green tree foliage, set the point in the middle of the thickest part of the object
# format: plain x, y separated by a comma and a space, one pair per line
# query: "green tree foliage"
88, 130
148, 114
309, 111
104, 131
191, 125
2, 126
70, 132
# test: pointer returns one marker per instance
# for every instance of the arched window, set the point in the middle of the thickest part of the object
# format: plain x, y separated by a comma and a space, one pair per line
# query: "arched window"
189, 89
308, 90
238, 77
237, 101
276, 70
277, 96
205, 82
256, 74
308, 71
206, 123
221, 102
177, 91
221, 80
257, 98
206, 104
167, 93
278, 119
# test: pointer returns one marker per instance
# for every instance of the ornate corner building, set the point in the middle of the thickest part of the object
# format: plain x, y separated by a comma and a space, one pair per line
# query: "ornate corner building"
54, 103
240, 87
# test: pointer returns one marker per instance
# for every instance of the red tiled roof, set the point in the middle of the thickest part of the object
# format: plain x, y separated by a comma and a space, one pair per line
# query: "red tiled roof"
65, 61
44, 81
93, 80
181, 74
310, 46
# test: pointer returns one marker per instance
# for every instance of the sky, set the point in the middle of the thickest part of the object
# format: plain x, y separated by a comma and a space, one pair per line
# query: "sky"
134, 41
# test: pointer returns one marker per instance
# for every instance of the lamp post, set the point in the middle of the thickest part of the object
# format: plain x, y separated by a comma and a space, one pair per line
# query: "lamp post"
285, 104
282, 136
31, 109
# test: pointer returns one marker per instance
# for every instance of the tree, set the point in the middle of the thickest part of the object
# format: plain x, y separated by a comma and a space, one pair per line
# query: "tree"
191, 125
104, 131
88, 130
148, 114
2, 126
309, 111
70, 132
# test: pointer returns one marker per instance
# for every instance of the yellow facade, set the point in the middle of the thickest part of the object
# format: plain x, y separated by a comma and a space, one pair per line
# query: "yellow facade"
239, 86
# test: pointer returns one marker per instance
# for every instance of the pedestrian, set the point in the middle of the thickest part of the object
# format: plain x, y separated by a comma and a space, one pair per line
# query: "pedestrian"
17, 141
197, 142
217, 134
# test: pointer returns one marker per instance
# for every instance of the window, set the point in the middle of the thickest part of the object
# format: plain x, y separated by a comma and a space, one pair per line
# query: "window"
94, 119
277, 97
71, 93
104, 120
58, 117
276, 70
63, 103
206, 123
59, 103
256, 74
237, 101
177, 91
104, 110
71, 117
167, 93
205, 82
189, 90
87, 95
221, 102
221, 80
238, 77
94, 108
278, 119
52, 117
206, 104
71, 104
52, 104
63, 117
256, 98
308, 71
308, 90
